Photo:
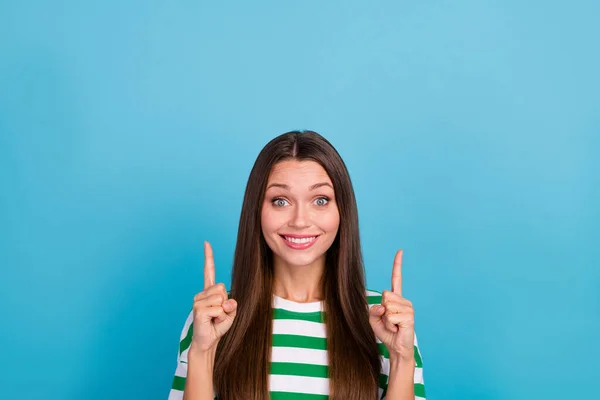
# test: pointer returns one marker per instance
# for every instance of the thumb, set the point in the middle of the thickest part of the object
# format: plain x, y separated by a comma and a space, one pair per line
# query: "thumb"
375, 313
225, 320
230, 308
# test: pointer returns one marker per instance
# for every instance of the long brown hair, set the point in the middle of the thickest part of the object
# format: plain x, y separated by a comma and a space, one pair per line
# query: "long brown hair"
243, 355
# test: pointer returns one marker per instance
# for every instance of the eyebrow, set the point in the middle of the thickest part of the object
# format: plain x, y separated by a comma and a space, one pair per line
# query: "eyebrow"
286, 187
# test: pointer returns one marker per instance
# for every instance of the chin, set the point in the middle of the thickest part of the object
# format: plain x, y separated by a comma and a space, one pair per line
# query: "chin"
298, 259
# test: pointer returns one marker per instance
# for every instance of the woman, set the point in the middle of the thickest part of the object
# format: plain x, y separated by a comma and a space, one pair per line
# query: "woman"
298, 322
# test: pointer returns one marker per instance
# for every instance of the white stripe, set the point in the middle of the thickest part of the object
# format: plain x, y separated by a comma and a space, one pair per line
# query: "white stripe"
175, 395
184, 355
297, 355
385, 365
298, 384
419, 375
298, 327
181, 370
186, 326
372, 293
280, 302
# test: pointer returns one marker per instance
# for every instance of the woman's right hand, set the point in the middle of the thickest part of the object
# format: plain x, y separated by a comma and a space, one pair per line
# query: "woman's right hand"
213, 311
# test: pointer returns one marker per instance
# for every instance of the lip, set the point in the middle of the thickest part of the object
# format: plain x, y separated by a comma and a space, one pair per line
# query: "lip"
299, 246
297, 236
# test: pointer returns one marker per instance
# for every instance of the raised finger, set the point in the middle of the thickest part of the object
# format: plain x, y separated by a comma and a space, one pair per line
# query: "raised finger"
209, 266
397, 274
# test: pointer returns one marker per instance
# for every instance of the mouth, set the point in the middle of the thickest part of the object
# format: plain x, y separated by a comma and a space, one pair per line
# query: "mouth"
299, 242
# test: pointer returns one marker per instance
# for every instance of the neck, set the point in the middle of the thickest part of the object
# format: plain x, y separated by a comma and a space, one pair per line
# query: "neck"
299, 283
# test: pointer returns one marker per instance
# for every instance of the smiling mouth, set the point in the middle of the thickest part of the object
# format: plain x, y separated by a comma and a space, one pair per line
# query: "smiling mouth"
299, 240
299, 243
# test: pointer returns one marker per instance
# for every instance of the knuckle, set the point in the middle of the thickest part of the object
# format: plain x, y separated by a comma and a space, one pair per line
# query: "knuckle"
214, 298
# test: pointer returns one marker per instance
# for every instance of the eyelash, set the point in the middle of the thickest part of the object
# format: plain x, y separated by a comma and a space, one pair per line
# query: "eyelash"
327, 199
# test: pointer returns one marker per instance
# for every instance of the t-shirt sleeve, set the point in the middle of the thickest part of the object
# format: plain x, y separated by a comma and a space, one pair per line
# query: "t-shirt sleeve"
185, 340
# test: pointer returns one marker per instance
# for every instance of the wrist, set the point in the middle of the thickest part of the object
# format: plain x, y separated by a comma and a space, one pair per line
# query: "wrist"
402, 362
401, 378
204, 356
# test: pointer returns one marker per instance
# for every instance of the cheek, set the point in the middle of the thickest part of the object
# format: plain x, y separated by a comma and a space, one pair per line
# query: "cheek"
269, 220
331, 221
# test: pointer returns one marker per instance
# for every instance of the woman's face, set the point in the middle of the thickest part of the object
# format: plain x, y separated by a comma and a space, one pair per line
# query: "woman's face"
299, 217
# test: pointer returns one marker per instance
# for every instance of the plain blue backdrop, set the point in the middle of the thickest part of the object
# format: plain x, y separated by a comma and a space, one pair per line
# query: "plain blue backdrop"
471, 131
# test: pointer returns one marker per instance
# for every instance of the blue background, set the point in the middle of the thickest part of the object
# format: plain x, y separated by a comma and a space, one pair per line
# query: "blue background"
471, 131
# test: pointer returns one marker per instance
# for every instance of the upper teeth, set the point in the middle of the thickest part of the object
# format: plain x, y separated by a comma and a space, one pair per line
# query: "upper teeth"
300, 240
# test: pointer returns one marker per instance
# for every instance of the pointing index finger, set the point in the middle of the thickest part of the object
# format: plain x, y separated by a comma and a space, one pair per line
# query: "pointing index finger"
209, 266
397, 274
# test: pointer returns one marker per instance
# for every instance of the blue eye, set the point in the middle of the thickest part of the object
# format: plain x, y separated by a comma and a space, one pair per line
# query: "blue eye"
279, 202
322, 201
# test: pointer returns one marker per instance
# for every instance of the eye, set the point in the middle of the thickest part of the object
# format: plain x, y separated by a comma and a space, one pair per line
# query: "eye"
279, 202
322, 201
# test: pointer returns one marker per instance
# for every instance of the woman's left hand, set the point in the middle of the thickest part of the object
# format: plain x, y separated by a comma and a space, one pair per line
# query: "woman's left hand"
394, 320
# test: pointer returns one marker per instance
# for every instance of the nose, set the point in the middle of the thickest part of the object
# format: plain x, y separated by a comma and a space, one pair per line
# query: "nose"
299, 218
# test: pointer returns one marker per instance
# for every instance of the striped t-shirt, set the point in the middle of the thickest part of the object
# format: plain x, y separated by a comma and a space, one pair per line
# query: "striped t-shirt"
299, 368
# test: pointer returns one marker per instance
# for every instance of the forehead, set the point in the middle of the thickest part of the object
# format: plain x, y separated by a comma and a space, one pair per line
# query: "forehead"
298, 173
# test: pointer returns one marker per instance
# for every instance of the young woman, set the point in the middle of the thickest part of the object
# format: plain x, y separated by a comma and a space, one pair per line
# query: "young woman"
298, 323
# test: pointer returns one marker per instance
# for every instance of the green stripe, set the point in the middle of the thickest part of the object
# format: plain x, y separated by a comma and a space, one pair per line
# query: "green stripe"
383, 380
418, 359
178, 383
383, 351
316, 316
187, 340
298, 369
305, 342
374, 299
297, 396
